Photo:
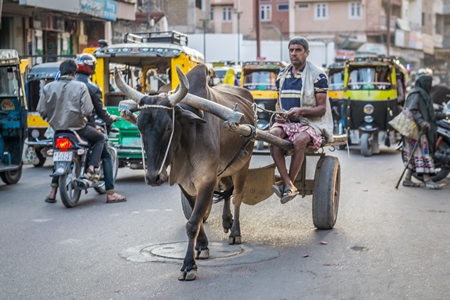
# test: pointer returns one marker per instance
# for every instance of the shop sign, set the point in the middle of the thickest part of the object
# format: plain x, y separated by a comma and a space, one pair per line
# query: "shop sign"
428, 43
54, 5
105, 9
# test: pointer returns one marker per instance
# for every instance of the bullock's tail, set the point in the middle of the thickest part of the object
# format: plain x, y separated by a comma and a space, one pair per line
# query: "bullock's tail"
220, 195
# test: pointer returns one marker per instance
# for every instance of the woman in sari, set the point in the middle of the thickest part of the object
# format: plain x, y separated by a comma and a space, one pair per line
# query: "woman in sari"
419, 103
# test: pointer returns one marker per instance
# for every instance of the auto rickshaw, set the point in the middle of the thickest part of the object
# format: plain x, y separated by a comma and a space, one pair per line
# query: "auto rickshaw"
39, 140
260, 77
370, 100
13, 115
148, 62
335, 74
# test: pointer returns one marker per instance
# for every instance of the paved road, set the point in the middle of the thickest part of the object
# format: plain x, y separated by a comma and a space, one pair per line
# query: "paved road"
387, 243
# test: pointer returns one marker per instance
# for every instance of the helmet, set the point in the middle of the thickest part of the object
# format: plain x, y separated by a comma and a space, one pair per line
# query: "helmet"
86, 63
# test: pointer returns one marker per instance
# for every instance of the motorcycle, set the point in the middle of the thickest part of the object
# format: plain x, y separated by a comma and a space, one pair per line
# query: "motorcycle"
441, 155
70, 156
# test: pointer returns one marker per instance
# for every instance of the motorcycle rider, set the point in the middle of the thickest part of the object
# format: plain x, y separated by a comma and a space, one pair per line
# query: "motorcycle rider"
86, 67
66, 105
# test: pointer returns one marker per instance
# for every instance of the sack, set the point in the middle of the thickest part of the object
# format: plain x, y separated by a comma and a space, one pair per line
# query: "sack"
405, 125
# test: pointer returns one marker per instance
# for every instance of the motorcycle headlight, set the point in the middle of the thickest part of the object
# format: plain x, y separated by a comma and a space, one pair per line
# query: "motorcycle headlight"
368, 119
35, 133
368, 109
261, 105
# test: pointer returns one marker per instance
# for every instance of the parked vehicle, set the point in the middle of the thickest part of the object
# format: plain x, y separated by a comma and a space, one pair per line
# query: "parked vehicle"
150, 59
335, 74
259, 77
13, 115
70, 155
370, 100
38, 138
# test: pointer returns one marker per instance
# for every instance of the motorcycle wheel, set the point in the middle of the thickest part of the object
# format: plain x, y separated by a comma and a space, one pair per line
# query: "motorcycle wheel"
68, 190
115, 163
11, 177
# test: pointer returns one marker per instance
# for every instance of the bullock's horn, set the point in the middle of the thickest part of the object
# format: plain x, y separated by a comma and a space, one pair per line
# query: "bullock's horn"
125, 88
182, 89
214, 108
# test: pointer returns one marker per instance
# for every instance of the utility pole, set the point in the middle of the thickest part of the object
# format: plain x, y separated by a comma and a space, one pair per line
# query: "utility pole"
257, 28
281, 38
149, 18
204, 36
238, 14
388, 21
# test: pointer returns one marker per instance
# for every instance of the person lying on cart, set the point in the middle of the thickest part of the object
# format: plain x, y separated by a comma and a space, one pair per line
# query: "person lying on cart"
303, 114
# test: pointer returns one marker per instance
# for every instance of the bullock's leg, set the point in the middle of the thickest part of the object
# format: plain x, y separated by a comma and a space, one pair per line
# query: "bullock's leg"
238, 195
227, 218
201, 246
193, 228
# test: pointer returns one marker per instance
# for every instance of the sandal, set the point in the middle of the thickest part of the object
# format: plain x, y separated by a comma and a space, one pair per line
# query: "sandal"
49, 200
288, 195
117, 198
91, 175
410, 183
432, 186
278, 190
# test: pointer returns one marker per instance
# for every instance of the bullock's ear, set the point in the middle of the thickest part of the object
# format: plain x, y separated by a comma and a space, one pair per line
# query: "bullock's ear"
186, 116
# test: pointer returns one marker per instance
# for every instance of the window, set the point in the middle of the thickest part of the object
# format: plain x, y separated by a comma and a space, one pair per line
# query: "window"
211, 14
283, 6
227, 13
321, 11
266, 12
199, 4
354, 10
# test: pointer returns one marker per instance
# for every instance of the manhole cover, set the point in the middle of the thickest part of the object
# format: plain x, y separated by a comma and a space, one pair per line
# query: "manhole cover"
219, 253
178, 250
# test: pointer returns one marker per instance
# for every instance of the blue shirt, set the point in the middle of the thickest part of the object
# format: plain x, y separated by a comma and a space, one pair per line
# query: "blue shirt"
292, 86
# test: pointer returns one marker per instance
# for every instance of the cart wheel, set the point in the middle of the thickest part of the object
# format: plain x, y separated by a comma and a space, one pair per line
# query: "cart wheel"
187, 210
366, 145
327, 186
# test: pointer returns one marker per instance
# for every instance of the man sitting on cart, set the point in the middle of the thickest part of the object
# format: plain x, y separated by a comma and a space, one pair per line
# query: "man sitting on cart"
303, 114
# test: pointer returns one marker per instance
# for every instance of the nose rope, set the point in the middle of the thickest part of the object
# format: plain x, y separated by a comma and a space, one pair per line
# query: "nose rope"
168, 146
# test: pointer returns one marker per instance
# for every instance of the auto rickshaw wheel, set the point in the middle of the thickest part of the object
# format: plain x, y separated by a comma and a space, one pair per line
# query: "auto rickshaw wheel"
187, 210
40, 159
11, 177
366, 145
325, 201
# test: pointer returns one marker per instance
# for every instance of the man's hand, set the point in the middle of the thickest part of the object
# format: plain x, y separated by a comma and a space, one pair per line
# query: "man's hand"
114, 118
280, 117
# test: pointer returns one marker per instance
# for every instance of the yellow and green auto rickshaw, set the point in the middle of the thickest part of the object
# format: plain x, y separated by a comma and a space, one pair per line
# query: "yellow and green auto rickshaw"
259, 77
335, 74
373, 88
147, 62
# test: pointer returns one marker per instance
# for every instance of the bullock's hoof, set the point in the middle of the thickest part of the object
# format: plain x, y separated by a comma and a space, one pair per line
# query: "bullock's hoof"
234, 240
182, 276
191, 275
203, 254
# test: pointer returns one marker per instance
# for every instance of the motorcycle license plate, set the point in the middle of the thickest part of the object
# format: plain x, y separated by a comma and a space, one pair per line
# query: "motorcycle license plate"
62, 156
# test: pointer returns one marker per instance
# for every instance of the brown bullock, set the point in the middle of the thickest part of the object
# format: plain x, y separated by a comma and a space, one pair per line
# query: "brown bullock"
199, 150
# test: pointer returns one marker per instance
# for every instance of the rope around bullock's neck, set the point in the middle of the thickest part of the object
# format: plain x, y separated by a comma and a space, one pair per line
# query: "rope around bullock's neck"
148, 106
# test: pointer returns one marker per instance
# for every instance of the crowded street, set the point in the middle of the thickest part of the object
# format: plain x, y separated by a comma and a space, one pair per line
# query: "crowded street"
387, 243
